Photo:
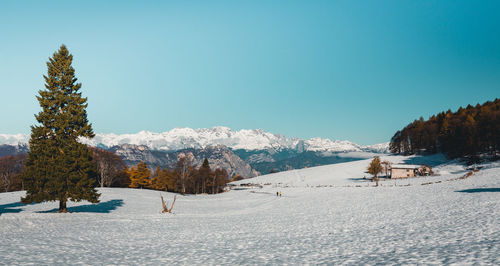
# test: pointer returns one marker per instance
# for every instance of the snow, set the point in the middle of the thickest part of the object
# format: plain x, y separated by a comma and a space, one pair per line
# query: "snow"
14, 139
405, 166
182, 138
337, 219
351, 173
377, 148
319, 144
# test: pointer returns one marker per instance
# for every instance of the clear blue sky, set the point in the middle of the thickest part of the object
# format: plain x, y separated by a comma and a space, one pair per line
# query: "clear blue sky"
355, 70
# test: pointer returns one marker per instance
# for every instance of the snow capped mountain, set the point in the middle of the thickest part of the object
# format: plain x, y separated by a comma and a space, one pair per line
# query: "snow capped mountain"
184, 138
377, 148
14, 139
244, 152
319, 144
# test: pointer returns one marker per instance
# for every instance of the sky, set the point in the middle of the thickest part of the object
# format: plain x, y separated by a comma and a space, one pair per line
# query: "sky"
347, 70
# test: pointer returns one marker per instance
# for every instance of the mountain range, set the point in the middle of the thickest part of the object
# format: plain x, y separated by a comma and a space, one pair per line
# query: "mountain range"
245, 152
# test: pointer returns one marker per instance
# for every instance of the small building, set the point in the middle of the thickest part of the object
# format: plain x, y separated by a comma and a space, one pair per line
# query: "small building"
408, 170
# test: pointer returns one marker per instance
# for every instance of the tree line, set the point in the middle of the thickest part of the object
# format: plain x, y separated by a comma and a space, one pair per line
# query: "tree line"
109, 168
469, 133
185, 178
111, 171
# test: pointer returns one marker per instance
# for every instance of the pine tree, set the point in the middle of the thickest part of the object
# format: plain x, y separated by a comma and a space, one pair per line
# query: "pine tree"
131, 172
163, 180
140, 176
58, 167
157, 182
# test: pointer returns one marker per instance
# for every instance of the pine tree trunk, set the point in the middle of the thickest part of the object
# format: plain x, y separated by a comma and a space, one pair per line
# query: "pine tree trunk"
62, 206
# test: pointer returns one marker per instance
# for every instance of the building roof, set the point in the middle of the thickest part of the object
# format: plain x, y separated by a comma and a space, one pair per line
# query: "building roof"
405, 166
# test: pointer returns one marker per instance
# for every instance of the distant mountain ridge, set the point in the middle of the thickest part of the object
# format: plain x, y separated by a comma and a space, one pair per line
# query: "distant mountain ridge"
218, 156
187, 138
6, 149
245, 152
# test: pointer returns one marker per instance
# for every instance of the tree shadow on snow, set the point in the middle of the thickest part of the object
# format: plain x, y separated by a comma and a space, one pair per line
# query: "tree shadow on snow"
432, 161
367, 178
358, 178
478, 190
11, 207
101, 207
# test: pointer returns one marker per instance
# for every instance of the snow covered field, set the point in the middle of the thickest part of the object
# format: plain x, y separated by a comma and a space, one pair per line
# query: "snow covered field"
327, 215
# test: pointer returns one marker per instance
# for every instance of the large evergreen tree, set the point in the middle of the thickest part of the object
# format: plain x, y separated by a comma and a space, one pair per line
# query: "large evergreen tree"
58, 167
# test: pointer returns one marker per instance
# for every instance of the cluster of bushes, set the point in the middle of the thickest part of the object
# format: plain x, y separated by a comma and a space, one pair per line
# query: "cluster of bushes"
466, 133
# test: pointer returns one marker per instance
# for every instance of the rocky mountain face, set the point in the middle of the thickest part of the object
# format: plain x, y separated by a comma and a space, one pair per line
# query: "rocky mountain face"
269, 160
6, 150
218, 156
244, 152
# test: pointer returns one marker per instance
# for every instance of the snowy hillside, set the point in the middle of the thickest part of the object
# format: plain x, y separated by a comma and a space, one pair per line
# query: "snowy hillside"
182, 138
448, 221
352, 173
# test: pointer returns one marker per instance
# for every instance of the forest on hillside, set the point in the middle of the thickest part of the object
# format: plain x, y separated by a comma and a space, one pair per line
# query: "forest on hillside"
472, 133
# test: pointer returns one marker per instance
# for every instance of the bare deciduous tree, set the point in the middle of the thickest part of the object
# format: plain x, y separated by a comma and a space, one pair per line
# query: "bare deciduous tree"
184, 167
10, 168
109, 166
386, 164
164, 205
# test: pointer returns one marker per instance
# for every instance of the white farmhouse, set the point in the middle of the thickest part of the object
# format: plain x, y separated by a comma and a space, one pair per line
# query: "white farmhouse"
408, 170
